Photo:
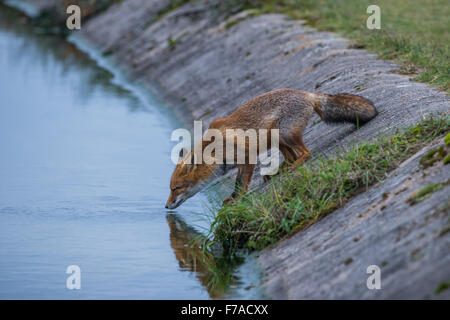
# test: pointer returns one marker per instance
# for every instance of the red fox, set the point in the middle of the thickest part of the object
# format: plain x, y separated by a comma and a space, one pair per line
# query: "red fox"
287, 110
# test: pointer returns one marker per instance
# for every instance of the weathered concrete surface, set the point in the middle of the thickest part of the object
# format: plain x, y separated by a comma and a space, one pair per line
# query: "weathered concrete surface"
379, 227
212, 69
210, 66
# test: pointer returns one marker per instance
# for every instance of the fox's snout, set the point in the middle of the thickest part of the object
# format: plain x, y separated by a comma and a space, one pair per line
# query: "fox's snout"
169, 201
175, 201
172, 201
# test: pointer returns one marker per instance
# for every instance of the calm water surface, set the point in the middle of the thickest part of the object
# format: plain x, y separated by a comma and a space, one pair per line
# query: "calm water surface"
84, 170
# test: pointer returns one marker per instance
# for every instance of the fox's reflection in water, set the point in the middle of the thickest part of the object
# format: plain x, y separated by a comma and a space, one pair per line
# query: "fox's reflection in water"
215, 272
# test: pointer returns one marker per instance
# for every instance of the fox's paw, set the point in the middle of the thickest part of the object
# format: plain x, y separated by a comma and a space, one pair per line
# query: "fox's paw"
269, 177
297, 163
229, 201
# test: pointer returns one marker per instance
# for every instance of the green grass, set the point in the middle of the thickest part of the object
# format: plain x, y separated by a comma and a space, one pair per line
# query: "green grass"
414, 33
173, 5
216, 272
426, 192
301, 197
432, 156
442, 287
447, 139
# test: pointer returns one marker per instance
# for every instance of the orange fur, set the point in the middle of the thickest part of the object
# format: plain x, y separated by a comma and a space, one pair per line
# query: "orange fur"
287, 110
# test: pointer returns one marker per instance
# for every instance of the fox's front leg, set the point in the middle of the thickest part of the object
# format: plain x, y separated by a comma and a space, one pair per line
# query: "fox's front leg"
243, 179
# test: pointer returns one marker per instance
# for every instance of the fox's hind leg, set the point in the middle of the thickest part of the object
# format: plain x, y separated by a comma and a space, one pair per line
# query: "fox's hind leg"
303, 152
288, 153
294, 140
289, 157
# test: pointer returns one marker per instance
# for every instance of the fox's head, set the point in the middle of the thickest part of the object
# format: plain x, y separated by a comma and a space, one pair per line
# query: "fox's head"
188, 179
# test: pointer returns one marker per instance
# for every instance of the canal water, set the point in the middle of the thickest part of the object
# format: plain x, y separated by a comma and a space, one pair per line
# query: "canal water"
84, 173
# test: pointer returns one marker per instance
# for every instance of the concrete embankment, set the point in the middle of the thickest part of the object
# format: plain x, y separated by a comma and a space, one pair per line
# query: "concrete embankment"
208, 63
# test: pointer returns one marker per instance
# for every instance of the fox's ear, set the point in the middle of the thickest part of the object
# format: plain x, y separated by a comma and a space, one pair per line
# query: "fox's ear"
188, 167
183, 153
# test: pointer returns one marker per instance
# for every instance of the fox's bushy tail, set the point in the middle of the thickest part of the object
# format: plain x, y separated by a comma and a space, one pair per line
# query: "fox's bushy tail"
345, 107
